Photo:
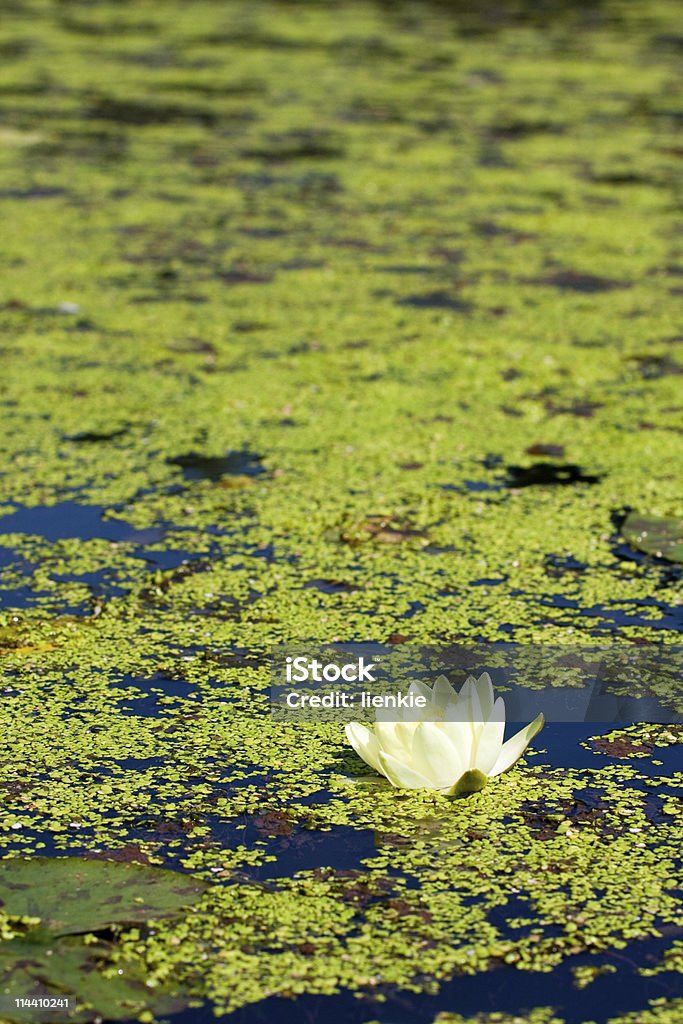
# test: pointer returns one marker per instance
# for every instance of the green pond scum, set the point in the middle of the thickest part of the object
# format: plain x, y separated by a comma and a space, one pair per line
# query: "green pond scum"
336, 322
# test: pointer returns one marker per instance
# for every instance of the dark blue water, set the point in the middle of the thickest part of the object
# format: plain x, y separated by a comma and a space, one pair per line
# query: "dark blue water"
503, 989
68, 520
146, 697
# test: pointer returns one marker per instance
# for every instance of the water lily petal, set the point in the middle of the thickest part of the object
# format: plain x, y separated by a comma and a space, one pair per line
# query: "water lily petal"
434, 755
469, 708
410, 714
489, 740
460, 711
484, 690
401, 775
476, 713
396, 738
467, 713
417, 689
512, 749
457, 736
365, 743
461, 737
443, 693
465, 691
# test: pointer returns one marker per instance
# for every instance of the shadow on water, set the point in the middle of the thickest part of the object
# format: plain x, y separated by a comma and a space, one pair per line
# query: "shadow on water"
206, 467
489, 15
171, 558
540, 474
544, 474
287, 846
296, 848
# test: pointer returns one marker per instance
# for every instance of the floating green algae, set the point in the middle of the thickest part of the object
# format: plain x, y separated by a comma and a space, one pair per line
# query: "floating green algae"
419, 267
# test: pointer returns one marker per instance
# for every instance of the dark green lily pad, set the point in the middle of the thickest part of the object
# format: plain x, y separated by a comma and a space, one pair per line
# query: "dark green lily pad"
660, 536
78, 980
72, 895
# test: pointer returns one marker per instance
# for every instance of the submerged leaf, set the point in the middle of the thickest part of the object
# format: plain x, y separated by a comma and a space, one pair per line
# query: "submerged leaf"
72, 895
655, 535
67, 970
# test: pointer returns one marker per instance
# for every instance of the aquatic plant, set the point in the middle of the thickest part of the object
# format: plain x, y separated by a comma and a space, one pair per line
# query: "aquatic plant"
453, 743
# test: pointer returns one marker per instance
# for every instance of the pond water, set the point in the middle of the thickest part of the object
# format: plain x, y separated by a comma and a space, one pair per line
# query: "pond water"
340, 323
507, 991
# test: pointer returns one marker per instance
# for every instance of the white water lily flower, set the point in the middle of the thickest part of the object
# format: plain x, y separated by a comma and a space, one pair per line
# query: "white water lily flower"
454, 744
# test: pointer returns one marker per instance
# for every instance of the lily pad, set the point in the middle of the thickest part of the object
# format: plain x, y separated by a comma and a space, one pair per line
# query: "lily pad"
660, 536
68, 973
72, 895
